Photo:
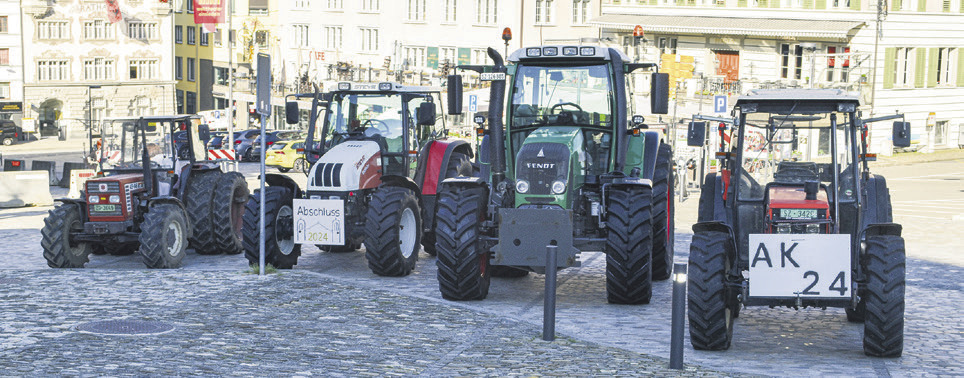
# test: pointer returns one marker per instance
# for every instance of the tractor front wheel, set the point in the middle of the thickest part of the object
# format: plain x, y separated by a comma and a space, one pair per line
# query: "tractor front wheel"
463, 266
393, 226
884, 265
711, 314
163, 237
280, 249
629, 245
459, 165
59, 251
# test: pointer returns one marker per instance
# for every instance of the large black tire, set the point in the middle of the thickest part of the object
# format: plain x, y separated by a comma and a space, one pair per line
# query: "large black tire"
280, 250
59, 251
629, 245
283, 169
882, 213
459, 165
463, 267
711, 318
884, 297
164, 237
503, 271
393, 225
230, 196
707, 198
199, 205
663, 214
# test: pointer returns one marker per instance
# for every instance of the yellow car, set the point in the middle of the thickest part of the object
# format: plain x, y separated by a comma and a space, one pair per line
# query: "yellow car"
287, 155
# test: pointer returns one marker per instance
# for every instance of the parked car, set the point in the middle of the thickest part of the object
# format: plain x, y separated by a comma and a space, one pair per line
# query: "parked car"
218, 138
287, 155
271, 138
243, 141
10, 133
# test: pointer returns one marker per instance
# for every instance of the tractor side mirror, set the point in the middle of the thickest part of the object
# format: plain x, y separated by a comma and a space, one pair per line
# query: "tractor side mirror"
204, 132
426, 114
659, 93
291, 113
696, 134
455, 94
901, 134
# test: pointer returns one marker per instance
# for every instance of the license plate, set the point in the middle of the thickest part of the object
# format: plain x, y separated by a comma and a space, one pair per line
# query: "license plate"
105, 208
794, 265
319, 221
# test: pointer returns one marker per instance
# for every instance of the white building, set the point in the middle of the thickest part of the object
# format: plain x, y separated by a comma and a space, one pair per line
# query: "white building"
80, 66
916, 68
11, 61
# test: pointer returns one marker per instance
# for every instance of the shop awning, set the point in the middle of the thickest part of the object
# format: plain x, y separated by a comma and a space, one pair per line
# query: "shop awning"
756, 27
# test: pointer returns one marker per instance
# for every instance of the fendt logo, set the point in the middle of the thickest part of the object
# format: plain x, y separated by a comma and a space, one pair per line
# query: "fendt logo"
540, 165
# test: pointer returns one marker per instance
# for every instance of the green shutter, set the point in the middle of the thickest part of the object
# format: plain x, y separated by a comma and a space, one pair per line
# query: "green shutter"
808, 4
894, 5
932, 67
890, 65
763, 3
652, 2
741, 3
960, 67
962, 7
919, 67
921, 5
855, 4
774, 3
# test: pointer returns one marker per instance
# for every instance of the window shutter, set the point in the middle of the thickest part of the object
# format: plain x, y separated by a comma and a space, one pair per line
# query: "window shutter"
922, 5
808, 4
894, 5
821, 4
890, 65
652, 2
741, 3
960, 67
763, 3
920, 67
774, 3
932, 67
946, 6
855, 4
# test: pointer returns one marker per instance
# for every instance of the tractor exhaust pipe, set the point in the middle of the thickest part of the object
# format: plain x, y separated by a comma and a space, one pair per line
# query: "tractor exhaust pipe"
620, 139
496, 128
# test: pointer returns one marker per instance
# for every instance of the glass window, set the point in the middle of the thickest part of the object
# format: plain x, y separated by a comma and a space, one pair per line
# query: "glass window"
578, 95
177, 68
191, 35
190, 69
178, 34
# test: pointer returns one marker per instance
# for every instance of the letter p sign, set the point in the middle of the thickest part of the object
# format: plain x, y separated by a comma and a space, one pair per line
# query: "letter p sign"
719, 104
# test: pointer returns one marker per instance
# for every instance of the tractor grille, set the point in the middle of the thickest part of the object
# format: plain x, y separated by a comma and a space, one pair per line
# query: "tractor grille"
328, 174
103, 187
542, 163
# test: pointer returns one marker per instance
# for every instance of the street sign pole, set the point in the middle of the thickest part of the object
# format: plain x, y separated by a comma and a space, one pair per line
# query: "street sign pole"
264, 109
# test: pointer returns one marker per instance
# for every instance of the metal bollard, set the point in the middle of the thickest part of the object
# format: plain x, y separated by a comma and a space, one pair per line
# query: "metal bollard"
679, 315
549, 306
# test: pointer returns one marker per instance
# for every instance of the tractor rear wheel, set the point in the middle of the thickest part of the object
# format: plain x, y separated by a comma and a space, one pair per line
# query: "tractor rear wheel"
884, 265
230, 195
663, 224
164, 237
629, 245
463, 267
459, 165
59, 251
711, 318
280, 249
393, 225
198, 203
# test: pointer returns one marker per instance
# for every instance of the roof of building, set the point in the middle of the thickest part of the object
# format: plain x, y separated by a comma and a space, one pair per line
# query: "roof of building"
759, 27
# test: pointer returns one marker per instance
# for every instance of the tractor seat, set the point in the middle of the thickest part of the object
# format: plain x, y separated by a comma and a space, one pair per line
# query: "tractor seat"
796, 172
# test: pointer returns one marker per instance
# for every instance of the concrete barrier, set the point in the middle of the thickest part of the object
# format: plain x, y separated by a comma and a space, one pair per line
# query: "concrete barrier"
49, 166
14, 165
22, 188
65, 179
78, 178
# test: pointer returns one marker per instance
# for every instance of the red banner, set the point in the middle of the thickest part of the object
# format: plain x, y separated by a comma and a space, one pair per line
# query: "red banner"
113, 11
208, 12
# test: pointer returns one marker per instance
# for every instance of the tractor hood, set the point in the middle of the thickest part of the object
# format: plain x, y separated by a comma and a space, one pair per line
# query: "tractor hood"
547, 159
348, 166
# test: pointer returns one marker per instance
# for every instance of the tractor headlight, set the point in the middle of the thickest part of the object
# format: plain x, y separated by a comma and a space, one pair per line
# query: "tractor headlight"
114, 198
783, 229
93, 199
813, 228
558, 187
522, 186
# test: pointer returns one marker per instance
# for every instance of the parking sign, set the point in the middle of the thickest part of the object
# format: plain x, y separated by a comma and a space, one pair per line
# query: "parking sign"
719, 104
473, 103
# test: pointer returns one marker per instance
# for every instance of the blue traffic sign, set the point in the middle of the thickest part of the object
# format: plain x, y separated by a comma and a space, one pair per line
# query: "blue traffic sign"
473, 103
719, 104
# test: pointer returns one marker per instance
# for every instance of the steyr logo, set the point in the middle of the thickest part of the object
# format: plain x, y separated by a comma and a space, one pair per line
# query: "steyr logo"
540, 165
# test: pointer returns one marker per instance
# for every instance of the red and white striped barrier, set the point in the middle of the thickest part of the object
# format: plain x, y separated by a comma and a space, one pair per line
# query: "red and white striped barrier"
221, 154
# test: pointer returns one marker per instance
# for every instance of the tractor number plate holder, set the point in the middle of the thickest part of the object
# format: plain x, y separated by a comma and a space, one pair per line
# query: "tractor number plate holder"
801, 266
525, 233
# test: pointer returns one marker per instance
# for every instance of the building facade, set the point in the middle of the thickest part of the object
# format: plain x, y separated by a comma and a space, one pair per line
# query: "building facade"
11, 62
906, 56
82, 66
193, 61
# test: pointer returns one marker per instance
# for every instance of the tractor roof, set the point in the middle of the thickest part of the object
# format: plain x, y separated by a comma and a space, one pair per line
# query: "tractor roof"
383, 87
563, 53
798, 101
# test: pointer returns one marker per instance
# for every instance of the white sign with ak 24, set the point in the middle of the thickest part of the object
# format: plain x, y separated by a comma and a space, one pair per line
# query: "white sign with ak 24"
319, 221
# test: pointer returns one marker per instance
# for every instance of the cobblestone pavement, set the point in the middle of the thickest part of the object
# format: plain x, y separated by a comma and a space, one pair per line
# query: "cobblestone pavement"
332, 316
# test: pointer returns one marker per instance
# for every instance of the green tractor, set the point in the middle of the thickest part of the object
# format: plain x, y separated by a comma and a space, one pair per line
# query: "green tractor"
569, 169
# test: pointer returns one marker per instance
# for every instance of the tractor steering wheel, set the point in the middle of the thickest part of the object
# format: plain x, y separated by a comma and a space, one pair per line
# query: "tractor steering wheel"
559, 106
378, 125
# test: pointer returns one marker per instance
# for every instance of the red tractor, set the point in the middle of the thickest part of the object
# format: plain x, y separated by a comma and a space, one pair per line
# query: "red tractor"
796, 219
378, 152
156, 194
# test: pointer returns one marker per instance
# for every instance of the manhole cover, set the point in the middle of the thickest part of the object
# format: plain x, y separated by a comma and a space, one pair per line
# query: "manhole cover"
126, 327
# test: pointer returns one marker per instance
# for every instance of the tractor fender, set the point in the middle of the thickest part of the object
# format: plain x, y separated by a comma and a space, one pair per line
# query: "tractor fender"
477, 181
877, 229
274, 179
717, 226
79, 202
651, 149
402, 181
876, 202
154, 201
433, 160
